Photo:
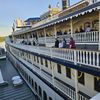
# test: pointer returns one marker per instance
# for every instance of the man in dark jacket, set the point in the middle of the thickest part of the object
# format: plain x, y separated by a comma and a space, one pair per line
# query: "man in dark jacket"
57, 43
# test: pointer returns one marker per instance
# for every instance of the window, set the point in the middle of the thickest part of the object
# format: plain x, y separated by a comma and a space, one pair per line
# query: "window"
50, 98
32, 83
40, 91
29, 56
68, 72
50, 65
59, 68
46, 63
34, 59
37, 60
35, 86
97, 83
81, 77
29, 79
44, 95
41, 61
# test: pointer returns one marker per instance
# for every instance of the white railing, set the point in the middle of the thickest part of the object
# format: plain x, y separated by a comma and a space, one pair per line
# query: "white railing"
41, 40
86, 37
82, 57
46, 76
81, 97
68, 91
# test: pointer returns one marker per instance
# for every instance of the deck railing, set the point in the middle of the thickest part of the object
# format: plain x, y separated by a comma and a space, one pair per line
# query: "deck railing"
86, 37
69, 91
92, 36
82, 57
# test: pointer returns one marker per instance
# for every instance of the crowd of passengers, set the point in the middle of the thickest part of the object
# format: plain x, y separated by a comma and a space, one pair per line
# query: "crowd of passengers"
34, 43
64, 44
80, 30
58, 43
61, 43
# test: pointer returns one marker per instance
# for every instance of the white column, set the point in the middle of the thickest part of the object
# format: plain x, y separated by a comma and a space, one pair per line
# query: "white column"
76, 76
99, 31
71, 26
76, 84
52, 72
55, 31
45, 35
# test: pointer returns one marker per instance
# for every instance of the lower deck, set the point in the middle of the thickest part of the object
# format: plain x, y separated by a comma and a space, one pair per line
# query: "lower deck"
10, 92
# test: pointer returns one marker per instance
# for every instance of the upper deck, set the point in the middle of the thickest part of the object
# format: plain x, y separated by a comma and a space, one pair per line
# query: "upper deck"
81, 8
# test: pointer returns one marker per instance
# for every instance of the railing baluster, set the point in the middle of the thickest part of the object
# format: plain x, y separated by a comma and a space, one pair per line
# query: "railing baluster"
93, 58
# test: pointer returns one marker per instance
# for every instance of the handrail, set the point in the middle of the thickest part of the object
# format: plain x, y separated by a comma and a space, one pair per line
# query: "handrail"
84, 37
84, 57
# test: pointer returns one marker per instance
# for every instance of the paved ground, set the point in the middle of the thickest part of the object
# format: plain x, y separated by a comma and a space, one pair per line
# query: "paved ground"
10, 92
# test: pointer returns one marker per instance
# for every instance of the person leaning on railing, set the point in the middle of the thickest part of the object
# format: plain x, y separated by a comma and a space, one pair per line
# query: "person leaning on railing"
72, 44
57, 43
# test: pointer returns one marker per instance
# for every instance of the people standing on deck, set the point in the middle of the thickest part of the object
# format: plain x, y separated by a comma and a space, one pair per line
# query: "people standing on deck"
88, 29
81, 29
34, 43
60, 44
72, 44
64, 43
57, 43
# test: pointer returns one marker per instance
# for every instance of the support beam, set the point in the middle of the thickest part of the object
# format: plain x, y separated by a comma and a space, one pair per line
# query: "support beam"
76, 84
99, 32
45, 35
71, 26
76, 77
52, 65
55, 31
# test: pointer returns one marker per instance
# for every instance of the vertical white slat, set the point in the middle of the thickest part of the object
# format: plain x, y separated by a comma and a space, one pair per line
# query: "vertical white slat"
94, 36
91, 36
83, 57
98, 59
94, 58
87, 57
90, 57
99, 31
77, 55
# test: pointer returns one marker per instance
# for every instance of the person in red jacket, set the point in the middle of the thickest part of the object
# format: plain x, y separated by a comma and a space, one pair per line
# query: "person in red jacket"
72, 44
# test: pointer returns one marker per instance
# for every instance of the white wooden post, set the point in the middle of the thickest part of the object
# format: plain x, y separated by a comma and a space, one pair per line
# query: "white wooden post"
71, 25
37, 40
99, 31
45, 35
76, 76
55, 31
52, 73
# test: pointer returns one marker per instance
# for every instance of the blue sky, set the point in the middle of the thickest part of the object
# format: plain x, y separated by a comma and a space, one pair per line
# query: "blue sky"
13, 9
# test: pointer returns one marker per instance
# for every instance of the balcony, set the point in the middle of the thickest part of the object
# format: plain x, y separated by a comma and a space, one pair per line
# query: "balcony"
75, 56
86, 37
